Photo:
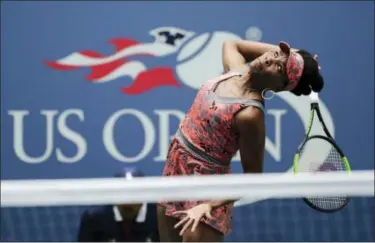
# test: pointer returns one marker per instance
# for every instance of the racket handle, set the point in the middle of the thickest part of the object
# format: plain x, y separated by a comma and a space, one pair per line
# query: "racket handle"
314, 97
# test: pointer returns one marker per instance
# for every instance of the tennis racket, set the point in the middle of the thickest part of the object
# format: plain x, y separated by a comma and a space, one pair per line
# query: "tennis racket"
335, 161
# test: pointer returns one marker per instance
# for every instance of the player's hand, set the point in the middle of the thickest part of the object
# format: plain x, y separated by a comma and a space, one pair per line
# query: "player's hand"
316, 59
193, 216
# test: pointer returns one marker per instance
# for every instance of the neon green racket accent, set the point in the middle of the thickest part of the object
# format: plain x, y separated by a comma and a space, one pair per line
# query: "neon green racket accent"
309, 125
346, 164
295, 163
308, 130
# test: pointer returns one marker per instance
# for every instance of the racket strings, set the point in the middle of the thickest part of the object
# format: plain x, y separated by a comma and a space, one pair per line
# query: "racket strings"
335, 159
333, 162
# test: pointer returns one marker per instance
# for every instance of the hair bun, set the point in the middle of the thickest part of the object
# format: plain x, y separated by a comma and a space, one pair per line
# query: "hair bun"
311, 79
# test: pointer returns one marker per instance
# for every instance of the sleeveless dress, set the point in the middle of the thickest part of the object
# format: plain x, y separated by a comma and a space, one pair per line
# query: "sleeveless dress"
205, 143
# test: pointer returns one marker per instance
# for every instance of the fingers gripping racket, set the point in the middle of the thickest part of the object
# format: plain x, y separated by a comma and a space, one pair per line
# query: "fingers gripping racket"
335, 161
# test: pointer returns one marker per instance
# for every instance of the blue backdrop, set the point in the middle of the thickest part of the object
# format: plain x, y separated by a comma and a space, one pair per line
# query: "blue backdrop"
66, 112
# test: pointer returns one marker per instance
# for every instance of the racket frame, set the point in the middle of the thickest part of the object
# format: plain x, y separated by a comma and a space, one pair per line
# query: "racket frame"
314, 108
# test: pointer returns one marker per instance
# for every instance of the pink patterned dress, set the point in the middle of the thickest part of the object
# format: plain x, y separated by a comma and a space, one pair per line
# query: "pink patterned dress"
205, 144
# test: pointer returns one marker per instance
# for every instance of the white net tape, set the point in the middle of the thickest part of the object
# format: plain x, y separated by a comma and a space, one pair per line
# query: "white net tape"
51, 210
153, 189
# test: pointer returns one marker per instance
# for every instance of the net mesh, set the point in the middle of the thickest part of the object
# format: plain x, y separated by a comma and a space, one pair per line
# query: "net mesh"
269, 220
278, 219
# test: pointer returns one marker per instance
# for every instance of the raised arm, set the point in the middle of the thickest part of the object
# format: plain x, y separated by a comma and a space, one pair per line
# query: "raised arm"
236, 53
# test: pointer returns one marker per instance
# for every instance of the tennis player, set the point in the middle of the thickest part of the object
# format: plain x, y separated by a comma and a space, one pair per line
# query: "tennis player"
227, 115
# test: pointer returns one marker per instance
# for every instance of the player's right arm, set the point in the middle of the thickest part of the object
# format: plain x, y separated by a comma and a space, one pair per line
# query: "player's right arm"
252, 136
237, 52
249, 124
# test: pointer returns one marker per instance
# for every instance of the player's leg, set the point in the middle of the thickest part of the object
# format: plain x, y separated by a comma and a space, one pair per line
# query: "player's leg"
203, 233
167, 232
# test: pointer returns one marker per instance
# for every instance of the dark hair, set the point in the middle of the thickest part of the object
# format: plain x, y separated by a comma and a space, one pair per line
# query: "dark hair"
311, 78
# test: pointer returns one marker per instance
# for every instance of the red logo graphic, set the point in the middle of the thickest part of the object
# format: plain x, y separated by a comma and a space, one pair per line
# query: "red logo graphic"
193, 52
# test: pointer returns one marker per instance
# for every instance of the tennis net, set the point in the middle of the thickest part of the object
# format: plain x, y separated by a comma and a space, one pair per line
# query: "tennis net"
271, 208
